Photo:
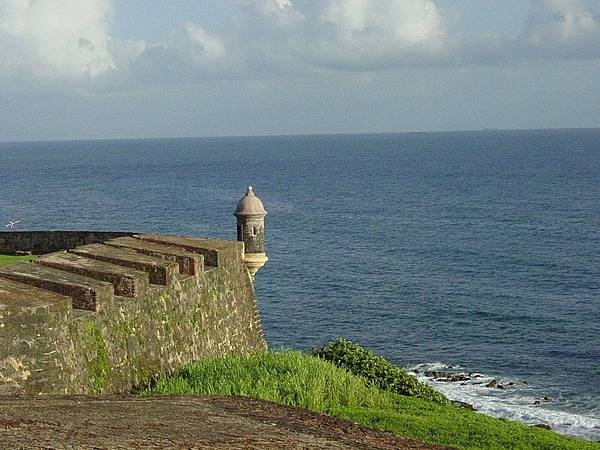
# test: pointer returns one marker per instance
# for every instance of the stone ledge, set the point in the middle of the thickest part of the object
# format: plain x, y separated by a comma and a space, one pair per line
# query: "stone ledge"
127, 282
85, 293
160, 271
189, 263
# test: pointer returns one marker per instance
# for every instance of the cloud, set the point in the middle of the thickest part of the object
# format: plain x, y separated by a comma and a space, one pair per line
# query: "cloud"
70, 42
191, 54
344, 34
55, 39
379, 33
279, 12
562, 29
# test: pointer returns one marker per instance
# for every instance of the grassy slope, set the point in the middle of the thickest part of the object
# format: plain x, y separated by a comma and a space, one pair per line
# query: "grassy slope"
7, 259
294, 378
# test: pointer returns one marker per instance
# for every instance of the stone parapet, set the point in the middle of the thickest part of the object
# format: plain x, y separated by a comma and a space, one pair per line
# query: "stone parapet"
109, 314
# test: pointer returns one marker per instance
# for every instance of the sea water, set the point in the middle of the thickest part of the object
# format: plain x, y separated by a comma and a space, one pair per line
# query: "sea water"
458, 252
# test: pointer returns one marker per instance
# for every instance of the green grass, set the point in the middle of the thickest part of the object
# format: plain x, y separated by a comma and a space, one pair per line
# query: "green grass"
378, 371
297, 379
7, 259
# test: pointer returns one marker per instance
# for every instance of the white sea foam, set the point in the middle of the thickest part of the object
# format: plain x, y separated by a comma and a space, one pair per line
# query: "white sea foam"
518, 401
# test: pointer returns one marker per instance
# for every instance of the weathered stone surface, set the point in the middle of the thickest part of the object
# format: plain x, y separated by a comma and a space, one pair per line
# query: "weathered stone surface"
212, 249
180, 422
32, 324
126, 341
86, 293
189, 263
39, 242
127, 282
160, 271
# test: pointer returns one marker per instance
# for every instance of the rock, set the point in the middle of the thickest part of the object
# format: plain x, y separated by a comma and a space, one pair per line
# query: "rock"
537, 402
448, 377
543, 426
494, 384
464, 405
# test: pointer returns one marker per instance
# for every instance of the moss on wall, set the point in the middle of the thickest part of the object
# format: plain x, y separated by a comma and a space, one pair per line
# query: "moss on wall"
98, 366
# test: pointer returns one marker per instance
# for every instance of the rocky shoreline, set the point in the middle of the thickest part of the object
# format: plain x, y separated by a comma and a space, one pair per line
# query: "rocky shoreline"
476, 379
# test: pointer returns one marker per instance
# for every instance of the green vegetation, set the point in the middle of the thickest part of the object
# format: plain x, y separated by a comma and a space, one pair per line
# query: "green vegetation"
99, 369
378, 371
7, 259
297, 379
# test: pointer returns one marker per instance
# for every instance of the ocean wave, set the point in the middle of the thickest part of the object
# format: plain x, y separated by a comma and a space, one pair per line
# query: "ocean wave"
509, 398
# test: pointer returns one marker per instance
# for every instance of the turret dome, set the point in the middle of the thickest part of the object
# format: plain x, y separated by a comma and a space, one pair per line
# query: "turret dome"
250, 205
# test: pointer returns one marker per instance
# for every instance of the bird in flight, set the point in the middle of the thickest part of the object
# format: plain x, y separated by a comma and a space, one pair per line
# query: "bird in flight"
11, 224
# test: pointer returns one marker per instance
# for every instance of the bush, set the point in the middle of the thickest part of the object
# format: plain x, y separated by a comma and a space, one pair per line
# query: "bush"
378, 371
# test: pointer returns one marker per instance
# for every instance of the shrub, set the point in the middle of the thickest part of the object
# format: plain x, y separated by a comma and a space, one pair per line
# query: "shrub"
378, 371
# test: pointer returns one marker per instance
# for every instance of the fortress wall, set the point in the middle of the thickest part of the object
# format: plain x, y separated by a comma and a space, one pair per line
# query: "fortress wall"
46, 346
40, 242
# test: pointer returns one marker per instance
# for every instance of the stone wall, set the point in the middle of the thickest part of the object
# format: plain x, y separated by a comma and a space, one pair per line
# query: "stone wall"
39, 242
106, 317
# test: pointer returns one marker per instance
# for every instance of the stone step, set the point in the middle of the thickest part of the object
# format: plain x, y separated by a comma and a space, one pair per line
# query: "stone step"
189, 263
86, 293
159, 270
127, 282
209, 248
22, 299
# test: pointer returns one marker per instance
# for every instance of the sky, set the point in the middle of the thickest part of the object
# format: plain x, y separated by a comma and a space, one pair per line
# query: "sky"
104, 69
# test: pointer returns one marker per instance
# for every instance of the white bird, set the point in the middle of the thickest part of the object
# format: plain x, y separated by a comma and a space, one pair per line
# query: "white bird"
11, 224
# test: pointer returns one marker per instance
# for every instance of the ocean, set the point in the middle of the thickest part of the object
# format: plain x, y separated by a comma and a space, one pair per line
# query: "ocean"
474, 253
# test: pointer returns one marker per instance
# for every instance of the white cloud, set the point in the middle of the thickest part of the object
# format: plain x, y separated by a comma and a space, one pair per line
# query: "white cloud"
69, 41
562, 28
380, 32
346, 34
55, 39
279, 12
199, 46
398, 23
191, 54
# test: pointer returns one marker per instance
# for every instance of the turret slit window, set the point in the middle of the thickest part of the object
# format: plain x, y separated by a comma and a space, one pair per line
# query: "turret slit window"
253, 231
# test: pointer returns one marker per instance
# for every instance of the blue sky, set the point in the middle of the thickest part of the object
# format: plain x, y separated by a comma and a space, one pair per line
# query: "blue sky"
80, 69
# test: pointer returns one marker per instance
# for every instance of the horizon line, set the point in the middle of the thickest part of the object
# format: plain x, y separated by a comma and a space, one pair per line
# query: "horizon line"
241, 136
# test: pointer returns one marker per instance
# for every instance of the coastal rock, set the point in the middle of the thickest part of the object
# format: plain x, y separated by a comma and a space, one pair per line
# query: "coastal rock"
447, 376
495, 385
464, 405
543, 426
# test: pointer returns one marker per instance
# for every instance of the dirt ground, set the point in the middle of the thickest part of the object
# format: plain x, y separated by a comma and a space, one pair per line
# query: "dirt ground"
178, 422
